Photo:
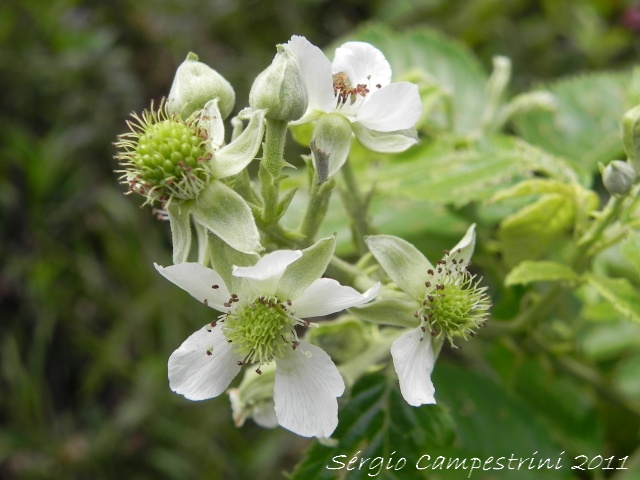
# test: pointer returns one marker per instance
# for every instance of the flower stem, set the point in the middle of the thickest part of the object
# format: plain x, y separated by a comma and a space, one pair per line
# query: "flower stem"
355, 206
319, 196
271, 166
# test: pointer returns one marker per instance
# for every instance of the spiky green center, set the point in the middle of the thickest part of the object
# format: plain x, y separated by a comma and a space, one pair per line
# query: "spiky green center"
456, 306
163, 157
260, 332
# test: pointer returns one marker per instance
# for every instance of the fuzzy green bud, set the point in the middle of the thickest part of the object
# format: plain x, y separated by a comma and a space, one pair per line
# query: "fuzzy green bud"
254, 398
618, 177
194, 85
280, 89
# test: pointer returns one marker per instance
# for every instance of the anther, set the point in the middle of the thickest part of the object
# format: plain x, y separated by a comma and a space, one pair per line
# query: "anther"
206, 302
215, 287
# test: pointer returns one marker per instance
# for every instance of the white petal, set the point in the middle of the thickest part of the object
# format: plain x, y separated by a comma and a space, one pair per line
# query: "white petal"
199, 281
211, 120
394, 107
326, 296
464, 249
264, 414
196, 374
266, 274
315, 68
414, 361
385, 142
363, 63
307, 385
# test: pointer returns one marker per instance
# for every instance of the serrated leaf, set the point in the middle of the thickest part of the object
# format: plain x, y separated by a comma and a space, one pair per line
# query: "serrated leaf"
530, 272
447, 173
533, 230
377, 422
620, 292
585, 128
425, 57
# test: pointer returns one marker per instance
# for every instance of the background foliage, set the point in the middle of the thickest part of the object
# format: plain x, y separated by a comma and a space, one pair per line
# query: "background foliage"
86, 325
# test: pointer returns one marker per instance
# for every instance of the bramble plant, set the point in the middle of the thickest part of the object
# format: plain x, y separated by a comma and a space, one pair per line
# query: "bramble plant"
328, 305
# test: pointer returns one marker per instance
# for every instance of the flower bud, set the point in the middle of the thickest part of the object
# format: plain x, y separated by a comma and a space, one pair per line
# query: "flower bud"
280, 89
254, 398
342, 339
194, 85
618, 177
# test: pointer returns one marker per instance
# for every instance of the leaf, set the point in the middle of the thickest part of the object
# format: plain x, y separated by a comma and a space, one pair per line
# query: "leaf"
533, 230
630, 250
530, 272
426, 57
377, 422
449, 173
585, 128
620, 292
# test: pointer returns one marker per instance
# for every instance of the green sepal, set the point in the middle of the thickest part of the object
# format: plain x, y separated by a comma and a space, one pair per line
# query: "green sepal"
331, 144
234, 157
403, 262
224, 258
389, 311
343, 339
226, 214
285, 201
307, 269
530, 272
180, 221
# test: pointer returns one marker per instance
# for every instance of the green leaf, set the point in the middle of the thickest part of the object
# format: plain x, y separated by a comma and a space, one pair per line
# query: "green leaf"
449, 172
530, 272
226, 214
535, 229
403, 262
630, 250
427, 58
180, 220
620, 292
377, 422
585, 128
308, 268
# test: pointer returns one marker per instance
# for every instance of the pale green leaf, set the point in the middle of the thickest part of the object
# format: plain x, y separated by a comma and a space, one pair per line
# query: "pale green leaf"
585, 128
624, 297
543, 271
535, 229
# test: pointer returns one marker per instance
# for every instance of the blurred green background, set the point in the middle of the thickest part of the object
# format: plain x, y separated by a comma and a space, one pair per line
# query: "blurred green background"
86, 324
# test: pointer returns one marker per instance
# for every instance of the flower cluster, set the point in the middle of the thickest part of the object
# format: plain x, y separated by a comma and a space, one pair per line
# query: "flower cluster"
176, 155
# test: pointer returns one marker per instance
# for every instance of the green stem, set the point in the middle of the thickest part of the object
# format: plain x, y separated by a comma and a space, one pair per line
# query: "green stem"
271, 166
319, 196
608, 215
355, 206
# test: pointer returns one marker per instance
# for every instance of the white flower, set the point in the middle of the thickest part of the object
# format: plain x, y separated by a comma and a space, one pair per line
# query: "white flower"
268, 300
448, 303
355, 92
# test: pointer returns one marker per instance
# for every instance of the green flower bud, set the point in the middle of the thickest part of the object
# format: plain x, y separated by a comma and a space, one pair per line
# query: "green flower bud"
342, 339
618, 177
254, 398
163, 157
280, 89
194, 85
